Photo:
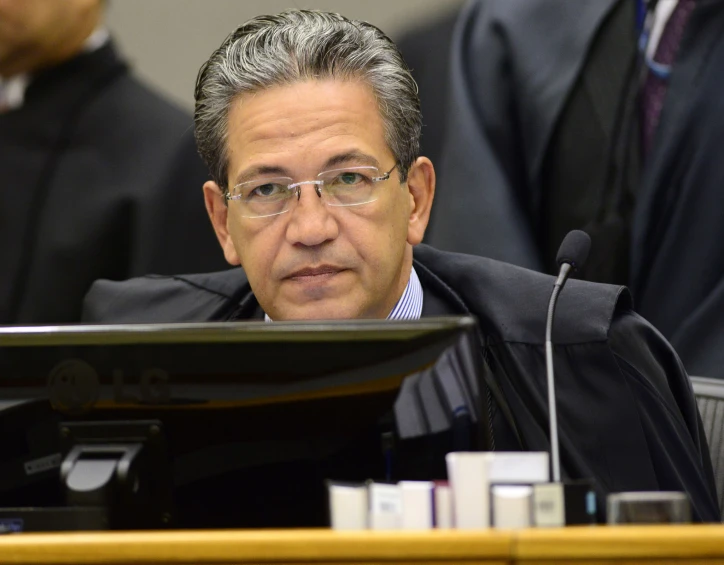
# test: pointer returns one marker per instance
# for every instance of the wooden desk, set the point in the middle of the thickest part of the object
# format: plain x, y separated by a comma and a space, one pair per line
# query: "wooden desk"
623, 545
242, 547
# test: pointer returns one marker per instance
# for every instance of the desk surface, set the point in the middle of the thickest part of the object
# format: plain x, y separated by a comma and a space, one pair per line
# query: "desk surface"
661, 545
624, 544
280, 546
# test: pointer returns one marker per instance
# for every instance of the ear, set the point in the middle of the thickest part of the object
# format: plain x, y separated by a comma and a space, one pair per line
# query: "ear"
421, 184
219, 214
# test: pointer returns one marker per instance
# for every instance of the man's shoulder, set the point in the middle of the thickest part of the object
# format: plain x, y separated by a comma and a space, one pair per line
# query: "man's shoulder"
511, 302
135, 108
166, 299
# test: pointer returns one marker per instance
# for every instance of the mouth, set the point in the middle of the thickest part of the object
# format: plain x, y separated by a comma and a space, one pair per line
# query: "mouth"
314, 273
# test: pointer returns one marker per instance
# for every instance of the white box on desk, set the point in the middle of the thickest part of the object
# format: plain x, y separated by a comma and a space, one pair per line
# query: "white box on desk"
348, 506
385, 506
472, 473
417, 505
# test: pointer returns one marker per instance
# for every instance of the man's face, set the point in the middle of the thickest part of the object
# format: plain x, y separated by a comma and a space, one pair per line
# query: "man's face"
317, 261
29, 27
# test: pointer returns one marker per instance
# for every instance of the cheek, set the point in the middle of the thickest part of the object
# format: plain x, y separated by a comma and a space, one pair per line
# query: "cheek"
377, 235
24, 21
257, 246
11, 34
397, 216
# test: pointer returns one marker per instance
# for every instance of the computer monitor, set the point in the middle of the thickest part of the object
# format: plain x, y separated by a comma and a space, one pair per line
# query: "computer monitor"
225, 424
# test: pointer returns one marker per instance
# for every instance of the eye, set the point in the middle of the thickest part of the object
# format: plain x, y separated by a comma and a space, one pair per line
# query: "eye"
349, 179
267, 190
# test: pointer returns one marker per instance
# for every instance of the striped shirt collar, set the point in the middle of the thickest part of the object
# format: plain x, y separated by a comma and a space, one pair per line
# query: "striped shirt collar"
408, 307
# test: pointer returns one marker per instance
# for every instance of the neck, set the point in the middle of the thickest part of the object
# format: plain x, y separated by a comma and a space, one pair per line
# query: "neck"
53, 49
401, 282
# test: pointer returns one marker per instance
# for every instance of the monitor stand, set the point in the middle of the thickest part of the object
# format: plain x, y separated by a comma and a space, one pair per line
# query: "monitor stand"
114, 474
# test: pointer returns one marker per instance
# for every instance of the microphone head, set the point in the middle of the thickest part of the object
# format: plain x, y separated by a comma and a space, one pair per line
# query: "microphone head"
574, 249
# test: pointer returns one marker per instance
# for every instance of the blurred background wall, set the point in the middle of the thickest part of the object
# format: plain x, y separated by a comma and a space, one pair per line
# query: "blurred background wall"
167, 40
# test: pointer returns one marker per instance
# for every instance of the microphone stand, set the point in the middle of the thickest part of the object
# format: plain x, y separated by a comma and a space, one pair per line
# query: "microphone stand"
550, 374
561, 503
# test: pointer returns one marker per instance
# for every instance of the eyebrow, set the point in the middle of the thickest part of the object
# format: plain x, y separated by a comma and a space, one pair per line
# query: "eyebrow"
250, 174
352, 157
357, 157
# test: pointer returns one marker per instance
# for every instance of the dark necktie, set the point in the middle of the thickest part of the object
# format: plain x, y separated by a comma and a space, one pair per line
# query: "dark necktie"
654, 90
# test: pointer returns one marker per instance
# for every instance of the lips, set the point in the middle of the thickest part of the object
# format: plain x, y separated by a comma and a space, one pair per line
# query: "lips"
310, 272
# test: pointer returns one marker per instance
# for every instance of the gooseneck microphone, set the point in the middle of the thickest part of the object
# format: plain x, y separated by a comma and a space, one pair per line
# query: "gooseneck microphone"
572, 254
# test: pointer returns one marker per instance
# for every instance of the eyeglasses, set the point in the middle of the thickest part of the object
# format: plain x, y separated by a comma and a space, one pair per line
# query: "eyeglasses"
351, 186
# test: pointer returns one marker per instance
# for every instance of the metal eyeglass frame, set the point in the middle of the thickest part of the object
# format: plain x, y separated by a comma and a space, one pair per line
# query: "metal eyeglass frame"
318, 184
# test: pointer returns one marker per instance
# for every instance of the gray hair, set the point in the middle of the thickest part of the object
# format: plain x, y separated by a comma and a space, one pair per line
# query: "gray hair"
300, 45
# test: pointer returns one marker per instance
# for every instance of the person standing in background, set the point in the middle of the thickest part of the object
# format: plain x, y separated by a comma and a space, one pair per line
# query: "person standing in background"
99, 176
426, 49
558, 120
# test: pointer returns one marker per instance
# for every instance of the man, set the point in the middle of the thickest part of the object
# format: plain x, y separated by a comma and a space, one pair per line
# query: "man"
99, 175
555, 122
310, 125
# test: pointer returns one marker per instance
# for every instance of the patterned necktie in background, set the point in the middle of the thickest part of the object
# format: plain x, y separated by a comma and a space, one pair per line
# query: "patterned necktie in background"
655, 87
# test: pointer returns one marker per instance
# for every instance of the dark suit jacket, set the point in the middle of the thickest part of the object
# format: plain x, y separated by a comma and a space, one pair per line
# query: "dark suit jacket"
627, 413
99, 178
677, 264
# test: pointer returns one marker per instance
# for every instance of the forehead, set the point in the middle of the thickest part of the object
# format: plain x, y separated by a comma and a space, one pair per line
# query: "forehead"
306, 121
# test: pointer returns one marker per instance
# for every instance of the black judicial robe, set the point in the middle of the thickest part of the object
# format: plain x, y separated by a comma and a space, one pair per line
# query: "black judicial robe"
516, 68
513, 64
99, 178
626, 409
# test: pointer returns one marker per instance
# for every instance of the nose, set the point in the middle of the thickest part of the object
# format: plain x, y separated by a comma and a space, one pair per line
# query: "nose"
311, 222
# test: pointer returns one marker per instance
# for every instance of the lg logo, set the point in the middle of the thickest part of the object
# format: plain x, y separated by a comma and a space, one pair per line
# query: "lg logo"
74, 386
153, 388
